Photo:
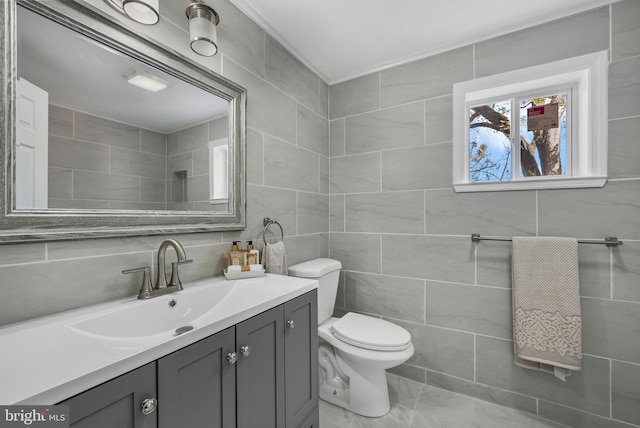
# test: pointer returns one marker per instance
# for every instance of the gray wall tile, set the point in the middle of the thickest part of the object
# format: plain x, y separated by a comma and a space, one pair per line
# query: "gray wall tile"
439, 119
89, 185
392, 297
60, 183
153, 142
625, 34
493, 262
60, 121
355, 173
427, 167
128, 162
336, 137
623, 143
357, 251
576, 418
395, 127
624, 88
73, 154
255, 157
397, 212
289, 166
336, 213
626, 272
355, 96
482, 310
313, 131
99, 130
576, 35
426, 78
625, 392
587, 389
313, 213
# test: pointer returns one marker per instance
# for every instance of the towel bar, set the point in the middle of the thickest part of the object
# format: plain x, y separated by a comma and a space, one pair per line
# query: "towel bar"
609, 241
268, 222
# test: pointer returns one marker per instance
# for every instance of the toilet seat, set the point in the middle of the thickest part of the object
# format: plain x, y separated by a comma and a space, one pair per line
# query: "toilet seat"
370, 333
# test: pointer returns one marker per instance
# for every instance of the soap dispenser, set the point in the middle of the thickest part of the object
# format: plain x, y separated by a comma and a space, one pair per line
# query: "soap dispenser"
236, 257
251, 256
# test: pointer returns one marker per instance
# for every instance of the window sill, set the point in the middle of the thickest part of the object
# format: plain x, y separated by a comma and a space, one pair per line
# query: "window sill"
532, 184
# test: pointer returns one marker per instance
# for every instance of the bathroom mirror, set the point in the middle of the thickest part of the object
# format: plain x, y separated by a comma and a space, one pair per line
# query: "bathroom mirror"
106, 133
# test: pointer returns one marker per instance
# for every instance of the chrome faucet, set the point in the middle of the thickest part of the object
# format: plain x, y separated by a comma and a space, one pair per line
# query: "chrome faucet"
147, 291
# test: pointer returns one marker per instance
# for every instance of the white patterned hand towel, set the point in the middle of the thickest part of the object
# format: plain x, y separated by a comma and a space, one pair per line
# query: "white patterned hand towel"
547, 324
275, 258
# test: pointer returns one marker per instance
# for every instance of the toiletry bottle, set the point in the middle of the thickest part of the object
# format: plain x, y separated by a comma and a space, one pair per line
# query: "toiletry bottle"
236, 257
251, 256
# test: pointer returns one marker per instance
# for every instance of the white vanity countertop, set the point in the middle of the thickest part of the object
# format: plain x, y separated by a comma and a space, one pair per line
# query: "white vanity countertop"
46, 360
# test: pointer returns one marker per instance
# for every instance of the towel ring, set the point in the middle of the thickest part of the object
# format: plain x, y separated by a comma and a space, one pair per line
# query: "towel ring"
268, 222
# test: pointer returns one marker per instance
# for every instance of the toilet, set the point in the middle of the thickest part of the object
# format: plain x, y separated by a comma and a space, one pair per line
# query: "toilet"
355, 350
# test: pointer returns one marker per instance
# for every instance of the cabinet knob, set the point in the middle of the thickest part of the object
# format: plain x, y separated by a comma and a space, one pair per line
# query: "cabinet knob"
245, 351
232, 357
291, 324
149, 405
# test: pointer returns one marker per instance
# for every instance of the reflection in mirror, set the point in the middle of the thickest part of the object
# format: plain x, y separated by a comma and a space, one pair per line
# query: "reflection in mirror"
107, 133
97, 129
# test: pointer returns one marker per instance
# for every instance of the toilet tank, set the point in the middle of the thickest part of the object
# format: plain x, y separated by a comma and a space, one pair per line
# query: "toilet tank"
327, 272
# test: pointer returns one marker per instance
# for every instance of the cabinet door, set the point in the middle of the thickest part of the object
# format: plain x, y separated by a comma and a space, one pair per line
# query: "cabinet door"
260, 370
312, 421
116, 403
301, 357
196, 385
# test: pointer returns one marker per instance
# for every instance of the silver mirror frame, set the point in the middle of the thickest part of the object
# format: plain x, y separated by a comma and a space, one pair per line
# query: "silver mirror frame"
48, 225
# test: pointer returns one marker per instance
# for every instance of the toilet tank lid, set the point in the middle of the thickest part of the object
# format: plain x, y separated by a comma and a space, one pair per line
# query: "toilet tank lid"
314, 268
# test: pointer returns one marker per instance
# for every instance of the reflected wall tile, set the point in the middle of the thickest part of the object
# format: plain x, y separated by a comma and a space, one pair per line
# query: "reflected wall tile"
153, 142
396, 212
587, 389
609, 329
625, 392
198, 188
255, 157
494, 264
194, 138
426, 167
576, 418
591, 213
313, 213
482, 310
99, 130
73, 154
219, 128
268, 109
390, 128
289, 166
294, 78
573, 36
313, 131
624, 88
201, 162
60, 121
438, 258
626, 272
60, 183
179, 162
439, 119
89, 185
355, 173
336, 137
336, 213
392, 297
486, 213
153, 191
127, 162
623, 145
442, 350
355, 96
356, 251
625, 33
429, 77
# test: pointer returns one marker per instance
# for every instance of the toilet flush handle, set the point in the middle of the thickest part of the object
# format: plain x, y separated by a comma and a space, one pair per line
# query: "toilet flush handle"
291, 324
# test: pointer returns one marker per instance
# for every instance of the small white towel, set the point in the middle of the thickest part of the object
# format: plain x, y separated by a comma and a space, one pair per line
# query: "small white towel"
275, 258
547, 323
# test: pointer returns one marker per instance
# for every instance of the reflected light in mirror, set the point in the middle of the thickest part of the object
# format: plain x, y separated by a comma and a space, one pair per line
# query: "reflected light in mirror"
147, 81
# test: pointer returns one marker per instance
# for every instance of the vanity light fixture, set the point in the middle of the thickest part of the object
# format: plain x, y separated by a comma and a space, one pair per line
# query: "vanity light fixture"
147, 81
202, 28
142, 11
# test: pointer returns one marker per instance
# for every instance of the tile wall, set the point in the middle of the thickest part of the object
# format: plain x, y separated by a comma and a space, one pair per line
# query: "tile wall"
403, 234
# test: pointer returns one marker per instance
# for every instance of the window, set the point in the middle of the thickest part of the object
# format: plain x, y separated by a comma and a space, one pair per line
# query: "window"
538, 128
218, 167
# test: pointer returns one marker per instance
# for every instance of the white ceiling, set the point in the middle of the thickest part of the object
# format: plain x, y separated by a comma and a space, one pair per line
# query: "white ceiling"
343, 39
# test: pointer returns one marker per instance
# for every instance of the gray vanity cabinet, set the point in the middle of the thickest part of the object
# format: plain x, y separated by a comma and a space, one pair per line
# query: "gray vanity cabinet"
196, 385
116, 403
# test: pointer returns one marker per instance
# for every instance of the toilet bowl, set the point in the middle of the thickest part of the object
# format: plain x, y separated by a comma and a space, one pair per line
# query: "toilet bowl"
355, 350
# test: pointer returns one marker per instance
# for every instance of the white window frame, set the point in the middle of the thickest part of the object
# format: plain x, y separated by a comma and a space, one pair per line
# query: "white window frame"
218, 168
587, 156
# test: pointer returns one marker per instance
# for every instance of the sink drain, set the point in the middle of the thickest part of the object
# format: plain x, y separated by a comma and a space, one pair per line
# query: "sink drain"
183, 329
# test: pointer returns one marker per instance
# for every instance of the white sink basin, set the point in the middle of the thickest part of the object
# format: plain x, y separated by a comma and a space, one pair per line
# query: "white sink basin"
155, 318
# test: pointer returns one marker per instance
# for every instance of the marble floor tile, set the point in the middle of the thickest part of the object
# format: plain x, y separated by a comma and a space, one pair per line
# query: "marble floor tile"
415, 405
